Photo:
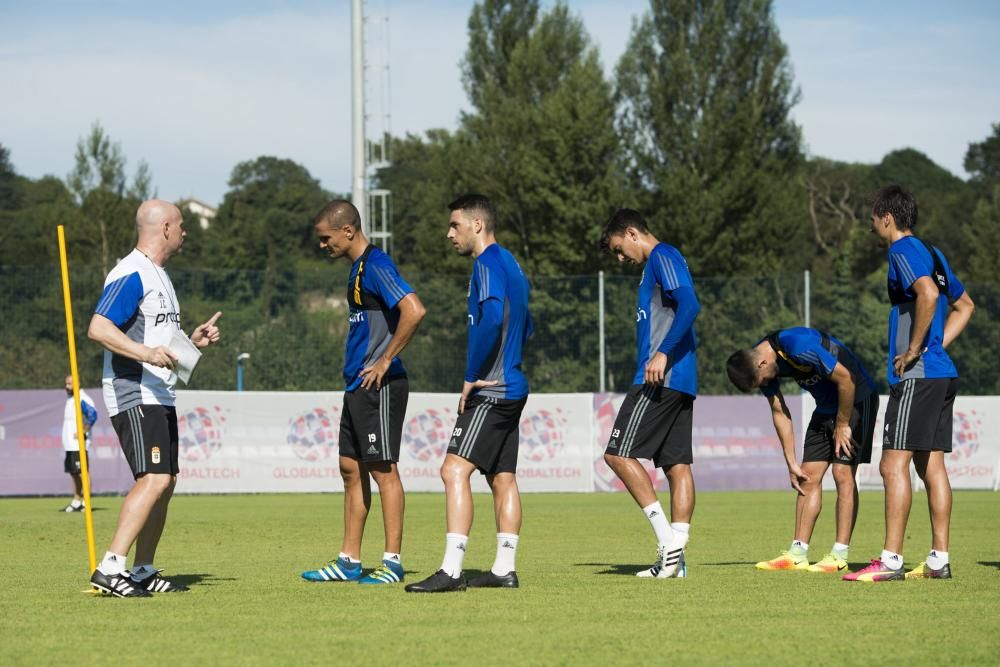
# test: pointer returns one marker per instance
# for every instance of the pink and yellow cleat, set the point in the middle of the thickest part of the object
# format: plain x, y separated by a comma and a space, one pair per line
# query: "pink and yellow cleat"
831, 564
876, 571
922, 571
786, 561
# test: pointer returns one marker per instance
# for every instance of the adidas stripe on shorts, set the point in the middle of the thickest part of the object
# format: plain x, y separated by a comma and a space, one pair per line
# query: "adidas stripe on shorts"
371, 423
488, 433
654, 423
919, 415
148, 437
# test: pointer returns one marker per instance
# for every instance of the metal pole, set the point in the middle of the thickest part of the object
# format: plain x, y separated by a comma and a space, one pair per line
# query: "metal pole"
807, 304
239, 376
600, 329
359, 196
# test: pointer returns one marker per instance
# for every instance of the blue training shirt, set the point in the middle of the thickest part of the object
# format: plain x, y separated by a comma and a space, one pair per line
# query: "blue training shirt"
374, 290
499, 324
665, 272
810, 360
909, 260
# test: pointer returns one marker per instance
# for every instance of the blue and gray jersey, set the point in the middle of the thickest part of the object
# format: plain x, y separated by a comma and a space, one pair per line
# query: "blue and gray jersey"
809, 356
909, 260
666, 284
499, 324
139, 299
374, 291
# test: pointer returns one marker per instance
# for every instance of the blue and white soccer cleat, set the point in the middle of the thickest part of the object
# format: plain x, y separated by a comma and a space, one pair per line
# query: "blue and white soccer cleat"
338, 570
389, 572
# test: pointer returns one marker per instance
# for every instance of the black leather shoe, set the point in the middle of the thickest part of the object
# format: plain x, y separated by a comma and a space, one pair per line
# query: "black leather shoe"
439, 582
490, 580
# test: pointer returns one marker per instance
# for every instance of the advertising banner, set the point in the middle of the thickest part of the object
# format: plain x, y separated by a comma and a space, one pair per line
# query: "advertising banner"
287, 442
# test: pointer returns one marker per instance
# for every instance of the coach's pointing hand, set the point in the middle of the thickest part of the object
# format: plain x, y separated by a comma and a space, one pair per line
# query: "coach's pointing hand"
207, 333
469, 387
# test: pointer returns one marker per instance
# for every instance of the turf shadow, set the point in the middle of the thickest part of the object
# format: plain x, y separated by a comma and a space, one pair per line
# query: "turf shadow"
990, 563
195, 579
620, 569
731, 562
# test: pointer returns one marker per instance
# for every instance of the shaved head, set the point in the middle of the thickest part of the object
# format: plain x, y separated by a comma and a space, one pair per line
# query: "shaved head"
338, 213
158, 225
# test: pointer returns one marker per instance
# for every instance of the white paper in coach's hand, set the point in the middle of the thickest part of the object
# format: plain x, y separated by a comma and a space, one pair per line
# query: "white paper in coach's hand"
187, 354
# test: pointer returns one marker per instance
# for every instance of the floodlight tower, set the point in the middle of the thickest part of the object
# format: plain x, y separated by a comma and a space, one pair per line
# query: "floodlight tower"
359, 174
371, 117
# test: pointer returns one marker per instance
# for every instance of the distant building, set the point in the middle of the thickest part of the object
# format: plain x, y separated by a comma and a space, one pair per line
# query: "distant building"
204, 212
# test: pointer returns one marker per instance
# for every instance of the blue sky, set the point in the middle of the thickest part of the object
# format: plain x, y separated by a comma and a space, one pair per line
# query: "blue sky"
195, 87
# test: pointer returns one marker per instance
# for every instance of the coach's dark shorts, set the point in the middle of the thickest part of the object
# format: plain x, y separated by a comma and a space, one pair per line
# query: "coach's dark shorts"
71, 464
918, 417
488, 433
819, 445
654, 423
148, 436
371, 423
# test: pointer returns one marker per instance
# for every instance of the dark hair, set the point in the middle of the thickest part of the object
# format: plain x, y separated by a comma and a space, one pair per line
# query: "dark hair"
619, 222
477, 205
339, 212
742, 369
894, 199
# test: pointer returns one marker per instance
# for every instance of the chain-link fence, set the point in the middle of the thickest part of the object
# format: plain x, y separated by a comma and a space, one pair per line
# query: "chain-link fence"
293, 324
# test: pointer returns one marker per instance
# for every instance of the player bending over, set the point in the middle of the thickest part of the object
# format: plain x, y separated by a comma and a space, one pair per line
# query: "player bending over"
839, 433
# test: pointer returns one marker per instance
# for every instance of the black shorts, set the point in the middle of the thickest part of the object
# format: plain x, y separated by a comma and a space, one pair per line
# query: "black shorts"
148, 436
654, 423
918, 417
71, 464
819, 445
371, 423
488, 434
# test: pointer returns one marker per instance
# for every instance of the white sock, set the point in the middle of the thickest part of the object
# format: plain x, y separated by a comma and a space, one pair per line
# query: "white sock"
891, 560
391, 557
77, 503
658, 520
347, 558
140, 572
112, 564
840, 550
454, 553
937, 559
799, 547
682, 531
506, 552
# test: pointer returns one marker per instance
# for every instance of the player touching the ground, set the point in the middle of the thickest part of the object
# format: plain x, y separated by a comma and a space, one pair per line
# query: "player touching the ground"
71, 444
135, 320
384, 314
493, 396
930, 308
655, 420
840, 431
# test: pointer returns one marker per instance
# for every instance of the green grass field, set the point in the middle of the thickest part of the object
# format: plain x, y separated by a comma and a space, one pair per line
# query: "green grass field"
578, 602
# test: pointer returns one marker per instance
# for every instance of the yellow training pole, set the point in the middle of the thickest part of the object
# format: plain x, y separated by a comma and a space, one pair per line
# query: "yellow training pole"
84, 471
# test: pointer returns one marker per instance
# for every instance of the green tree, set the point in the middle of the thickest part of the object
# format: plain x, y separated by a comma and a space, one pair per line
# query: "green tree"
99, 183
982, 160
706, 89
